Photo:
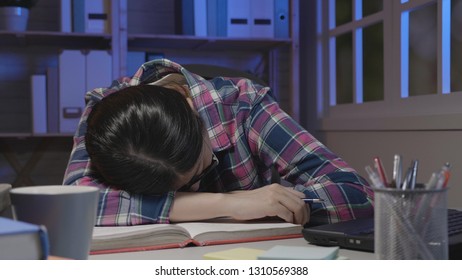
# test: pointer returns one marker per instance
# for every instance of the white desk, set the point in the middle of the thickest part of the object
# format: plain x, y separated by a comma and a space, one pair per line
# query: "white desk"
196, 253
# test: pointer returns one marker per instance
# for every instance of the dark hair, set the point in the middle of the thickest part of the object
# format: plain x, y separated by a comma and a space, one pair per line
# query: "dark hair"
141, 138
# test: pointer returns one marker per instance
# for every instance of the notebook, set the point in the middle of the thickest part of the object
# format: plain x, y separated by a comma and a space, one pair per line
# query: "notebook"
116, 239
359, 234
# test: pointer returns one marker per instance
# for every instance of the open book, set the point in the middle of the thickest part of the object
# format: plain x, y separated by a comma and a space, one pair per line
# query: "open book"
162, 236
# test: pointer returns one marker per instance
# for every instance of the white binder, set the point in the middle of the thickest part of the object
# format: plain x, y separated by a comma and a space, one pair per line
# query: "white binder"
72, 86
262, 18
98, 69
200, 18
91, 16
281, 19
238, 19
39, 103
258, 18
65, 15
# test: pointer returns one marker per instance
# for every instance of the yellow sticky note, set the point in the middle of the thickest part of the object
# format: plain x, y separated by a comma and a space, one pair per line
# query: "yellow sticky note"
280, 252
234, 254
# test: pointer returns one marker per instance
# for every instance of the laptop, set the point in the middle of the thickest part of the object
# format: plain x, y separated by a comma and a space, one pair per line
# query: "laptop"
359, 234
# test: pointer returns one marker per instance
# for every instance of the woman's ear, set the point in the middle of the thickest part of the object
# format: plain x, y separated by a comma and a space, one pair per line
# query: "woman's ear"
190, 102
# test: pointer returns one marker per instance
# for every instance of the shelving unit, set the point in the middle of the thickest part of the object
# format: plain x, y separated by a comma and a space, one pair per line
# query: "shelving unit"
32, 51
148, 41
55, 39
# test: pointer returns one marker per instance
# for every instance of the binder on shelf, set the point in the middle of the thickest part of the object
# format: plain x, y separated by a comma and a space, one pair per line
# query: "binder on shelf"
65, 15
98, 69
91, 16
256, 18
184, 16
39, 104
200, 17
261, 22
239, 18
217, 18
281, 18
191, 17
72, 86
79, 73
52, 100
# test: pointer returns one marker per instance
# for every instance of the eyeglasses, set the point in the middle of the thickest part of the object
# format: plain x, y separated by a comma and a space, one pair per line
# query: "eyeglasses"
199, 177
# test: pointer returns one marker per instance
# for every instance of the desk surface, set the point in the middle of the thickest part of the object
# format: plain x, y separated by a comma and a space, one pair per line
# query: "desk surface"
196, 253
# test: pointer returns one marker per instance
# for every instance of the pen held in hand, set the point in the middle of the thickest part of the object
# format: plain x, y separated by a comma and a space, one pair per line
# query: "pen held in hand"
313, 200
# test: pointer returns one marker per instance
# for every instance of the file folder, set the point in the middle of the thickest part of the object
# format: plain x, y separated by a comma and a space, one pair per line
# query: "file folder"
91, 16
217, 18
98, 69
261, 22
72, 86
65, 15
52, 100
281, 18
238, 23
39, 104
200, 17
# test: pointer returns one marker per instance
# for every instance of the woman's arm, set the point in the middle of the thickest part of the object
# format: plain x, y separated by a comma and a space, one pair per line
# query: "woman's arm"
278, 140
270, 201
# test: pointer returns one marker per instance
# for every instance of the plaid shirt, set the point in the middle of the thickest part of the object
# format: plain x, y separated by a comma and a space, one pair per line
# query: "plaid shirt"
250, 135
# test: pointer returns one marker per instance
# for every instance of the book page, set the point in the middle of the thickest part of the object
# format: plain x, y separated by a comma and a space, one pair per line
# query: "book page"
238, 230
102, 232
137, 236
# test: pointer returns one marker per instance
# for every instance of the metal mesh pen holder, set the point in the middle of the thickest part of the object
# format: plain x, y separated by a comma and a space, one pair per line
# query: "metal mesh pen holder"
411, 224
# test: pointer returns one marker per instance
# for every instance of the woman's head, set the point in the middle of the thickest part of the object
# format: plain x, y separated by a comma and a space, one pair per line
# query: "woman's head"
144, 139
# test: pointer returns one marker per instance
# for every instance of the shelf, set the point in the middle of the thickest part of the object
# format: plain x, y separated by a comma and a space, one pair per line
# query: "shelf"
149, 41
32, 135
55, 39
141, 41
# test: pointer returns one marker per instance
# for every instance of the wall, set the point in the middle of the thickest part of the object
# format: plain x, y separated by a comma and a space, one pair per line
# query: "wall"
431, 148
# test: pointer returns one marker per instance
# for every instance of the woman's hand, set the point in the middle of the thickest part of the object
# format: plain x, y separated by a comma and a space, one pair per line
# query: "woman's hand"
269, 201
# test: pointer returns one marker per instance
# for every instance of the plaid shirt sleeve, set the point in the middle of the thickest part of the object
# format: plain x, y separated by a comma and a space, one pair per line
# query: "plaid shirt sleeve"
116, 207
278, 140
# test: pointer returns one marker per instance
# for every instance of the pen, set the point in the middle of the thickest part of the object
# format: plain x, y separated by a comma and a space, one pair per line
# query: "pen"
431, 184
443, 176
381, 171
397, 171
446, 171
374, 177
415, 165
407, 179
298, 186
313, 200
